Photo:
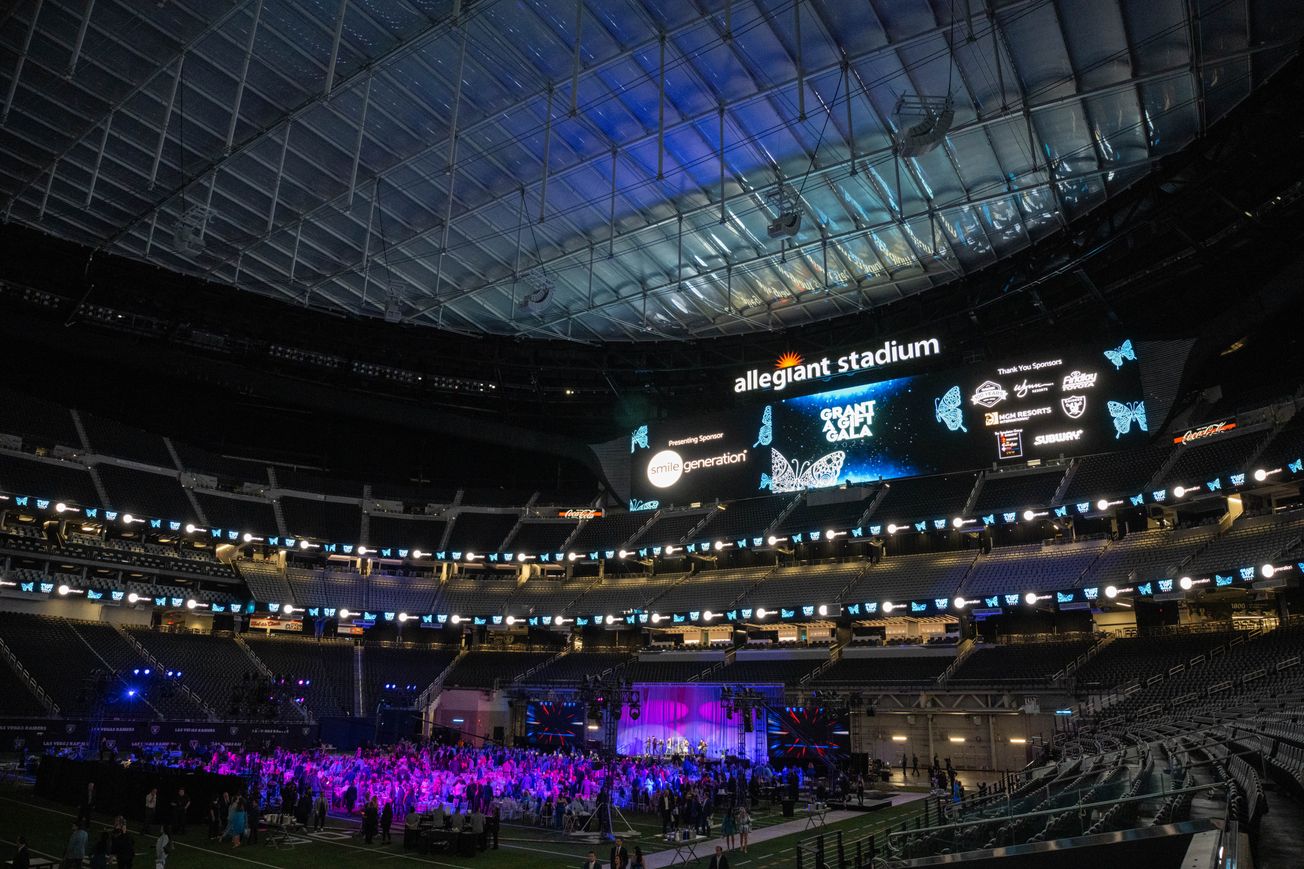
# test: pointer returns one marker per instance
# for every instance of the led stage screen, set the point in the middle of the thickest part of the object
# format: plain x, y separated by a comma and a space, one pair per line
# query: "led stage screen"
554, 725
1075, 401
797, 734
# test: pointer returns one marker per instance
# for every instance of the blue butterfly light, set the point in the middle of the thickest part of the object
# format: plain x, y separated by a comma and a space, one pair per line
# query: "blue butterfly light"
765, 436
1121, 353
1125, 413
638, 438
949, 410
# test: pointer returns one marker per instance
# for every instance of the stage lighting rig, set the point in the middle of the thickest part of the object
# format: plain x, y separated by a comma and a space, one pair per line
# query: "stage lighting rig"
922, 123
786, 204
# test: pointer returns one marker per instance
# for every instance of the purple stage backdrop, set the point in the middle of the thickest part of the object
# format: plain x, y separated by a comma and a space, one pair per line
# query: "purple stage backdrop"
692, 712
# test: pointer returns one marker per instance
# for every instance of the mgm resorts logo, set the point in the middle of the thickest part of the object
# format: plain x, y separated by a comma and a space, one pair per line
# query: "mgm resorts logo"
792, 368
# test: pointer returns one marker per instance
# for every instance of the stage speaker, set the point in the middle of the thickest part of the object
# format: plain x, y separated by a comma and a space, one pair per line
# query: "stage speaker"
499, 735
860, 762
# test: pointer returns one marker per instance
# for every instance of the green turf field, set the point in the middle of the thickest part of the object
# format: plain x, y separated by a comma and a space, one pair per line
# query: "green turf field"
46, 826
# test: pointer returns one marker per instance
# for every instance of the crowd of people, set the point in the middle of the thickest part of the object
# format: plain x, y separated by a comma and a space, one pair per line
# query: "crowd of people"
451, 788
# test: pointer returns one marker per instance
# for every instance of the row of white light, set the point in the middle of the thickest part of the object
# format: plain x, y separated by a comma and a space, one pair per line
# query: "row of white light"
959, 522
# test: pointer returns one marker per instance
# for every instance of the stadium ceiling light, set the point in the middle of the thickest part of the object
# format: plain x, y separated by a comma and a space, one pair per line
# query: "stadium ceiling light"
511, 620
304, 544
248, 538
899, 738
1030, 598
1102, 505
1111, 591
571, 556
719, 544
63, 590
958, 603
771, 540
624, 553
1260, 475
1186, 583
456, 619
60, 507
191, 604
1018, 740
707, 616
1267, 570
344, 612
190, 528
656, 618
830, 534
362, 550
522, 557
417, 553
287, 608
957, 522
1029, 515
1179, 491
402, 617
127, 518
761, 612
670, 550
133, 598
611, 620
888, 606
891, 528
823, 609
955, 739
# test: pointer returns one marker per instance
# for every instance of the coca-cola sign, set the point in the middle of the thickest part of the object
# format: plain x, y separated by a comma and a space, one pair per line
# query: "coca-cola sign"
1203, 432
580, 513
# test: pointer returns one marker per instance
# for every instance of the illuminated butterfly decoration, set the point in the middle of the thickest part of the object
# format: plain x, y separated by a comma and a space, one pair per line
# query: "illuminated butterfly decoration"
1124, 413
766, 435
1120, 353
796, 476
635, 505
638, 439
950, 409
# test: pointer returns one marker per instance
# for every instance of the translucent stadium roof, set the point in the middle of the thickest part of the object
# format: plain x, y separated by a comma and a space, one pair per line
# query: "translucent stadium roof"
454, 163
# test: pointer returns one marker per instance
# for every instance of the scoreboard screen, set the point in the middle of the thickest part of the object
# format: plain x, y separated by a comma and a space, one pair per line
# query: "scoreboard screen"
1070, 402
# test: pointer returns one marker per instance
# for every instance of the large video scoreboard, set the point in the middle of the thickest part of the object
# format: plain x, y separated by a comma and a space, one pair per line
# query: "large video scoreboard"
1073, 401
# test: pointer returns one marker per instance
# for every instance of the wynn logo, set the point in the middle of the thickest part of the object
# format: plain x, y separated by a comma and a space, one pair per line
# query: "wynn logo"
989, 394
1074, 405
1026, 388
1076, 380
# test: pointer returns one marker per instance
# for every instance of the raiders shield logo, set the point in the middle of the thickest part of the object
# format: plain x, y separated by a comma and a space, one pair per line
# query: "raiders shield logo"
69, 728
154, 729
234, 730
1074, 405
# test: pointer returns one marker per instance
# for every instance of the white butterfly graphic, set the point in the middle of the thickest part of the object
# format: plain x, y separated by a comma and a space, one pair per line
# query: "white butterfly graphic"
797, 475
1121, 352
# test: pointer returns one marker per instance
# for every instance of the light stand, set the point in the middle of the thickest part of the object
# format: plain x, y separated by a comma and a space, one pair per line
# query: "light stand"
745, 701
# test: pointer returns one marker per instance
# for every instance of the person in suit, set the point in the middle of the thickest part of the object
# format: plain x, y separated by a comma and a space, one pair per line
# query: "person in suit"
590, 862
319, 812
386, 821
370, 820
23, 857
619, 856
718, 860
180, 809
666, 804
